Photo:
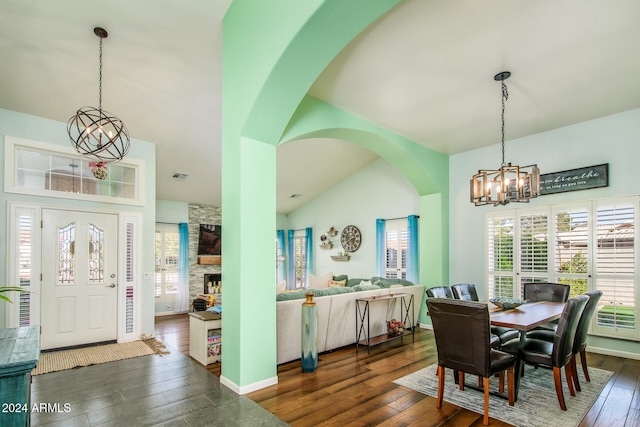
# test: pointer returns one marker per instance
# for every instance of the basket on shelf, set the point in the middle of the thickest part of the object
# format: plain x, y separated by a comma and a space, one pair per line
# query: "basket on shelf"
395, 327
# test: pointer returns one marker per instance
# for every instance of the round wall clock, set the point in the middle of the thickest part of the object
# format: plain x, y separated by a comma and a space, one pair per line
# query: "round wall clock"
350, 238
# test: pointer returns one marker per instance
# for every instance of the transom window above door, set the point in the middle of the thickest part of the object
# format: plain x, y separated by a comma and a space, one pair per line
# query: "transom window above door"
43, 169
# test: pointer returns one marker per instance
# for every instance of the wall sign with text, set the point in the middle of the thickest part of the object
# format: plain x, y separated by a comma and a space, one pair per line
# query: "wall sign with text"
575, 179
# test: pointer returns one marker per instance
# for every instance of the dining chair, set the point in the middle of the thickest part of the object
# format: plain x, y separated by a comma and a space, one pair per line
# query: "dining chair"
439, 292
464, 291
556, 292
558, 353
546, 291
468, 292
461, 330
580, 340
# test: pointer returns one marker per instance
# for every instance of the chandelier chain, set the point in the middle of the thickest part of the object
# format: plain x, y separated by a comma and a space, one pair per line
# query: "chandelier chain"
505, 96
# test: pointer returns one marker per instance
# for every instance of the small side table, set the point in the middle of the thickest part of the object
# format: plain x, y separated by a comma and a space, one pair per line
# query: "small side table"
19, 353
363, 334
205, 336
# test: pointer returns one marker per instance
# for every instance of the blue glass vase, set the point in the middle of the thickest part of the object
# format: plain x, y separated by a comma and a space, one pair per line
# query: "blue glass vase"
309, 334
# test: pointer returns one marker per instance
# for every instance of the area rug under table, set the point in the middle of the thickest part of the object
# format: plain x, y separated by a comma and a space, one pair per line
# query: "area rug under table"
537, 403
85, 356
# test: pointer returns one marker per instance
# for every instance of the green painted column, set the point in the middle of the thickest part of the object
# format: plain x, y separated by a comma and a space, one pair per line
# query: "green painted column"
272, 54
248, 272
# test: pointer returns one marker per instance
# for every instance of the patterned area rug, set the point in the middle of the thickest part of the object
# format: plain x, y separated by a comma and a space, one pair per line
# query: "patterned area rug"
537, 403
69, 359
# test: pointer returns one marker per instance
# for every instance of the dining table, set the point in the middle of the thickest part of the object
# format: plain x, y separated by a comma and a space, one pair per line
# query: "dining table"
524, 318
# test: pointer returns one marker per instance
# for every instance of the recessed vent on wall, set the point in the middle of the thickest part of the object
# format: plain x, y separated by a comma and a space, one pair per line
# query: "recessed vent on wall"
179, 176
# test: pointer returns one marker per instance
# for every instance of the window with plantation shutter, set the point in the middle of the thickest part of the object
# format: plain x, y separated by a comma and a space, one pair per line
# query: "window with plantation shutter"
500, 245
587, 245
615, 268
167, 276
300, 259
572, 249
396, 243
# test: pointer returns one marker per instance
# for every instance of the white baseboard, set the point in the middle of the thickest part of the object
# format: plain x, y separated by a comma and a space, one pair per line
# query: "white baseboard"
425, 326
247, 388
610, 352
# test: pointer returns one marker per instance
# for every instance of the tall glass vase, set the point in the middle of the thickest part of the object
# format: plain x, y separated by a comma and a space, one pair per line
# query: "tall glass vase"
309, 334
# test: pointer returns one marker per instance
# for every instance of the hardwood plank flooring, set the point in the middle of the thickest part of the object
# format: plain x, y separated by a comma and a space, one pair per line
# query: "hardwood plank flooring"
355, 389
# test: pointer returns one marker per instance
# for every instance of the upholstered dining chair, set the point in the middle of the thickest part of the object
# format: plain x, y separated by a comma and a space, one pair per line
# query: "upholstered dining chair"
461, 330
464, 291
439, 292
546, 291
558, 353
580, 340
556, 292
468, 292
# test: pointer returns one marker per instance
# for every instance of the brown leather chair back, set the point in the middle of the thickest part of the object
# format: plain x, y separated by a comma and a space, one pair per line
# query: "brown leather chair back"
465, 291
580, 341
566, 332
439, 292
555, 292
461, 329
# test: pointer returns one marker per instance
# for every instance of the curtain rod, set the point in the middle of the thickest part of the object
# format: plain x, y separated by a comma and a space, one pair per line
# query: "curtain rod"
401, 217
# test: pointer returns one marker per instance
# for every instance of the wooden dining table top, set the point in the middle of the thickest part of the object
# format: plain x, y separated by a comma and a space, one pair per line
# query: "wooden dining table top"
527, 316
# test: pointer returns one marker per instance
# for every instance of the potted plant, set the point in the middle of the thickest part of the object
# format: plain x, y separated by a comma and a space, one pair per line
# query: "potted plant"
5, 289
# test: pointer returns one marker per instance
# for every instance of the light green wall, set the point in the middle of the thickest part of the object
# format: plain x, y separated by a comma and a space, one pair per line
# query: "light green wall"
378, 190
43, 130
613, 139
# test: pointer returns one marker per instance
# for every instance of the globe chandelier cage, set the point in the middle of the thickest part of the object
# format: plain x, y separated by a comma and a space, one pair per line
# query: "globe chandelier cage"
96, 133
509, 183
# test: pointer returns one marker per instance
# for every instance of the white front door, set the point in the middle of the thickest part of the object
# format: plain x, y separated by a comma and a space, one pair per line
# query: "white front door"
79, 278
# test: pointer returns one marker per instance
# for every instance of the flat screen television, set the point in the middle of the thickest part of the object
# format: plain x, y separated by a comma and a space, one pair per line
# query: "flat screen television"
210, 240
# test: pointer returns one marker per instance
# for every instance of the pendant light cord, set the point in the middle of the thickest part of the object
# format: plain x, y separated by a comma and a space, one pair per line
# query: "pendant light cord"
100, 86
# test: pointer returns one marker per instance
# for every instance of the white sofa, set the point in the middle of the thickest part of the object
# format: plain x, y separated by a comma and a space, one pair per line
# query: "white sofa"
337, 319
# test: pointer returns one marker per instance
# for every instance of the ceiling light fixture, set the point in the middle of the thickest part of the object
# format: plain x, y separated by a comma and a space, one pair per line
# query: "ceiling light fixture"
96, 133
509, 183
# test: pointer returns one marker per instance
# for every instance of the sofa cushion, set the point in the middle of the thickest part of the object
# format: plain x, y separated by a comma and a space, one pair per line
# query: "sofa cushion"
287, 296
354, 282
387, 283
320, 282
336, 290
337, 283
341, 277
359, 288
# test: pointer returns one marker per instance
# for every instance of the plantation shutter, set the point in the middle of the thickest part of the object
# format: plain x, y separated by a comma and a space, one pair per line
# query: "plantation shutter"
615, 268
534, 250
572, 249
300, 252
501, 274
397, 241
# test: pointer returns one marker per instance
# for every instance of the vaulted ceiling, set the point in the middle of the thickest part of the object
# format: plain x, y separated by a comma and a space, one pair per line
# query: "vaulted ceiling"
424, 70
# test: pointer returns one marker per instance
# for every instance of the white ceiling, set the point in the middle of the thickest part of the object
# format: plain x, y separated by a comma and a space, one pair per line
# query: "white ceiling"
425, 70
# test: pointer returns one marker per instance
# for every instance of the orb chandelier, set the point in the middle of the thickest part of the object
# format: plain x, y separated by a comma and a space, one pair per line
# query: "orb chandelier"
508, 183
96, 133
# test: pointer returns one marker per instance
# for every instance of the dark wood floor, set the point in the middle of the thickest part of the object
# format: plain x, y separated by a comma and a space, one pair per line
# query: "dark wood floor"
350, 389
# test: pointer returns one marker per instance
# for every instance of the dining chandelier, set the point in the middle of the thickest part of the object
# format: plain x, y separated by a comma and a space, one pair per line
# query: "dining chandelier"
508, 183
96, 133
